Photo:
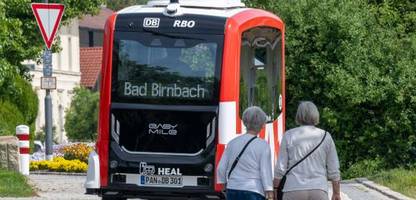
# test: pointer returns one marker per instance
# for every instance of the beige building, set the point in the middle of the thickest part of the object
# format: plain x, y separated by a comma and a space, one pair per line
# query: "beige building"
66, 69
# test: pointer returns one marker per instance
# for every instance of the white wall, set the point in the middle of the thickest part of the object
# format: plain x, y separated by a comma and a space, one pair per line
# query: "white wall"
66, 69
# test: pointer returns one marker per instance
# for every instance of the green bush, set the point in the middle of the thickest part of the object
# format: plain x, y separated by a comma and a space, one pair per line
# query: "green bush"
10, 117
364, 168
19, 91
26, 100
22, 104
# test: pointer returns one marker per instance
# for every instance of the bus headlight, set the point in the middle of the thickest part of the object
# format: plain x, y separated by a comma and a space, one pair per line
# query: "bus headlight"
208, 167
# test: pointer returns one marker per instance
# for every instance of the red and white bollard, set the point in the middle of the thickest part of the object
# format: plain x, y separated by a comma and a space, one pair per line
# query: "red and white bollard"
22, 132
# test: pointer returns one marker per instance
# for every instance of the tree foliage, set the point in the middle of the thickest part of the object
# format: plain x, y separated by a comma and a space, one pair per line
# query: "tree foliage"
120, 4
81, 118
356, 60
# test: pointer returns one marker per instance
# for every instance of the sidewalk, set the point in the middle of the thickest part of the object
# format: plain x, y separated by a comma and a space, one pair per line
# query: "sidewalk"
384, 190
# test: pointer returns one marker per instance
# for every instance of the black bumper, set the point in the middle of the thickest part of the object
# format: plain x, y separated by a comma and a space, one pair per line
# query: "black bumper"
133, 191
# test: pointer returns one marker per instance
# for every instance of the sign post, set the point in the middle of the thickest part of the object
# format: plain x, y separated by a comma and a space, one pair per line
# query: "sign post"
48, 17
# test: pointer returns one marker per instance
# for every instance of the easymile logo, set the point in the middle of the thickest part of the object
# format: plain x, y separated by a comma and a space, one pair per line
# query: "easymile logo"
163, 129
151, 22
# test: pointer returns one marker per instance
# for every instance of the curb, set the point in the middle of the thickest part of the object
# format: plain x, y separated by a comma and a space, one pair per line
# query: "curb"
383, 190
56, 173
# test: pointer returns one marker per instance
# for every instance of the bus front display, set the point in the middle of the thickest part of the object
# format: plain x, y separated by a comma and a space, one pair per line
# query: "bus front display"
166, 69
175, 79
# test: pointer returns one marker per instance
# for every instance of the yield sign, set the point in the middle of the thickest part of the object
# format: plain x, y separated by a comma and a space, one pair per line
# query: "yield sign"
48, 17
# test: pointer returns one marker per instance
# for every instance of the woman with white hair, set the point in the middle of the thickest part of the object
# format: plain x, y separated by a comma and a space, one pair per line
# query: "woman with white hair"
307, 159
245, 167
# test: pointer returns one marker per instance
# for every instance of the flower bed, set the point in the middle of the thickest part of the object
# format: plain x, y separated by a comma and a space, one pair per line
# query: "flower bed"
67, 158
78, 151
59, 164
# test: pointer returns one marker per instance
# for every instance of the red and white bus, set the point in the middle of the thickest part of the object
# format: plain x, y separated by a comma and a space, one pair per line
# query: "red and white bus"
176, 78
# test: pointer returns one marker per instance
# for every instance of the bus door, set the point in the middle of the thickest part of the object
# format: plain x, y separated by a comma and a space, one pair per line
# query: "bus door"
261, 80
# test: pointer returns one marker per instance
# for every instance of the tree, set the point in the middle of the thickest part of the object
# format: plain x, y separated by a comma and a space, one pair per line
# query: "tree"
356, 61
81, 118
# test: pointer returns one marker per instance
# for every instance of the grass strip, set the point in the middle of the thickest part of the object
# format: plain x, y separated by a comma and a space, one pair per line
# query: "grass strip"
13, 184
399, 180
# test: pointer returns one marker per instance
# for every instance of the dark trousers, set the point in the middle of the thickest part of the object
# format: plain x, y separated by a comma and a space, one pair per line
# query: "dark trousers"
243, 195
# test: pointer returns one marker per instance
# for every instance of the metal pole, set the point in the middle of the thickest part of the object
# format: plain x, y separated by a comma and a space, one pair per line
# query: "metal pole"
48, 106
48, 125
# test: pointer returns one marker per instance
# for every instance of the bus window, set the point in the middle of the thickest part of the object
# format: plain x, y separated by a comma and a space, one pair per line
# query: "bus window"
260, 64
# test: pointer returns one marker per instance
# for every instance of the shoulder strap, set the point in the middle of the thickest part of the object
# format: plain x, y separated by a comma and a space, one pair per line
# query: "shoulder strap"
307, 154
239, 155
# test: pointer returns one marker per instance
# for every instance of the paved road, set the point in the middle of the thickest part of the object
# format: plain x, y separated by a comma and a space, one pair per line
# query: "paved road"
71, 187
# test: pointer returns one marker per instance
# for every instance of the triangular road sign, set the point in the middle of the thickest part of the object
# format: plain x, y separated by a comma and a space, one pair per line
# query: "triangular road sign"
48, 17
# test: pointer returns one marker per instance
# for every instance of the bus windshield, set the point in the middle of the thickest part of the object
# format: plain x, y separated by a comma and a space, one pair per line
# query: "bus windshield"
166, 69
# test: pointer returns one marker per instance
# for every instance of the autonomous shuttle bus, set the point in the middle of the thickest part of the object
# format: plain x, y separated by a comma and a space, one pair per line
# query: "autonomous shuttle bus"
176, 77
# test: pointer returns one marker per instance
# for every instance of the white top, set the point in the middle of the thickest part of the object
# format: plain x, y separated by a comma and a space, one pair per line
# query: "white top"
254, 169
185, 10
314, 171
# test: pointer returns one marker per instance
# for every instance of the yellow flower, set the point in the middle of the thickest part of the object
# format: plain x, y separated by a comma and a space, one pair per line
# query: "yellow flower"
60, 164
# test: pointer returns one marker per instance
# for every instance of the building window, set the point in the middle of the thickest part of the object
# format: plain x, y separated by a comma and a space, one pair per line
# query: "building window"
90, 38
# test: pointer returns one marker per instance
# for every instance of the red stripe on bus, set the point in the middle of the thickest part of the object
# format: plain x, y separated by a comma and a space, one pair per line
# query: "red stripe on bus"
218, 155
239, 126
105, 100
262, 133
24, 150
276, 138
23, 137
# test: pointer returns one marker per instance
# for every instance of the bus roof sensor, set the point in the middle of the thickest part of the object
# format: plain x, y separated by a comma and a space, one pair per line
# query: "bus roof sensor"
172, 8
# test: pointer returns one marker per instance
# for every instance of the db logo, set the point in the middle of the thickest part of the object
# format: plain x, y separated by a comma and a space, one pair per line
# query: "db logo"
151, 22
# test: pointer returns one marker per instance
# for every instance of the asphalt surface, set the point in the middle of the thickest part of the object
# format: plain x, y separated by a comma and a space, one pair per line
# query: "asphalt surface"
66, 187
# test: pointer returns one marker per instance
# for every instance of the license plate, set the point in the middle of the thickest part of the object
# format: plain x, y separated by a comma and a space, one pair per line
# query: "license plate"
166, 181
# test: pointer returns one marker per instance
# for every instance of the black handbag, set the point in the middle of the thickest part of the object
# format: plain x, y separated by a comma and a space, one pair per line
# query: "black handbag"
278, 191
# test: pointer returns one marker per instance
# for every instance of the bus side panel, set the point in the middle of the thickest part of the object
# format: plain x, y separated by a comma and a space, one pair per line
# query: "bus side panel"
230, 87
105, 99
236, 25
